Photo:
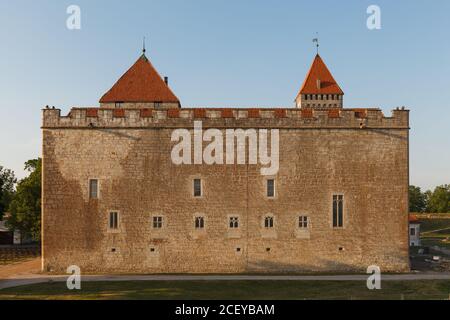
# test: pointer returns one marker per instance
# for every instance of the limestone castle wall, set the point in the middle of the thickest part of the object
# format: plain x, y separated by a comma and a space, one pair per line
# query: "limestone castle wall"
357, 153
254, 118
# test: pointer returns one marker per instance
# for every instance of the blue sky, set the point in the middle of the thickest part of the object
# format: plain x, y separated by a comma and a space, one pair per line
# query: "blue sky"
229, 53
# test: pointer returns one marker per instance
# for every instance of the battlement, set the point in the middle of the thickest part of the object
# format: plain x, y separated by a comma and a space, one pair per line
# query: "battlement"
226, 117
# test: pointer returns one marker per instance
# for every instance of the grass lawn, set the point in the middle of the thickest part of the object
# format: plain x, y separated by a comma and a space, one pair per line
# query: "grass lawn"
433, 224
431, 242
436, 238
206, 290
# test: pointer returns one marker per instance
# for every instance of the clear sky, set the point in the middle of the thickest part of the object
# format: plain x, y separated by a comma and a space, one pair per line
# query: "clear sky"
229, 53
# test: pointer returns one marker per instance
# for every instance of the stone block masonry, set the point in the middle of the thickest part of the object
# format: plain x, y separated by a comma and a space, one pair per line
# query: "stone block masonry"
357, 153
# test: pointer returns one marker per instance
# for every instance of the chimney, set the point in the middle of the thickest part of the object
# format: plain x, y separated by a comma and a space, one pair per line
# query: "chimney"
166, 80
318, 84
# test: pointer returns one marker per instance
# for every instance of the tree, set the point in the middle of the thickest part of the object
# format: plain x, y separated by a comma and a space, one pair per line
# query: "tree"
25, 208
439, 199
7, 182
417, 200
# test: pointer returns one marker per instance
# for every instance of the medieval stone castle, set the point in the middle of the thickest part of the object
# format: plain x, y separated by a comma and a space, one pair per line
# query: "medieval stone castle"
114, 201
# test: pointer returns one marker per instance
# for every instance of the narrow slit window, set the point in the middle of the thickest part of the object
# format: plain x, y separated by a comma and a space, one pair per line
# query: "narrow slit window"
114, 220
270, 188
93, 189
197, 187
338, 211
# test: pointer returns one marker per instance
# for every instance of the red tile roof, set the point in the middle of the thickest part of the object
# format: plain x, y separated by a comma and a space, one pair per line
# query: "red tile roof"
319, 71
141, 83
199, 113
173, 113
253, 113
307, 113
92, 112
146, 113
227, 113
119, 113
334, 113
280, 113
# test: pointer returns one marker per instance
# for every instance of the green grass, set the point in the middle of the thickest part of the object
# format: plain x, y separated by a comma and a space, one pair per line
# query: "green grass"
205, 290
435, 238
431, 242
434, 224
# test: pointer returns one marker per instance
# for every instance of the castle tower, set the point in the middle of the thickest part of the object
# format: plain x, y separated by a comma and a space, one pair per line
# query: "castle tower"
140, 87
319, 90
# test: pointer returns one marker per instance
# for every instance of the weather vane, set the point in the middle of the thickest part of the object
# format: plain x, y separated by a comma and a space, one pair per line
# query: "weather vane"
143, 46
316, 41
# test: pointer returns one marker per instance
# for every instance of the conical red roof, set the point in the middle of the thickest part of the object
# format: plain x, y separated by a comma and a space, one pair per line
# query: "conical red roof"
319, 71
141, 83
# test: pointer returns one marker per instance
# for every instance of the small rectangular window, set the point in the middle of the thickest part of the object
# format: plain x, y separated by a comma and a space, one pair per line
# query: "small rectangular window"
338, 211
268, 222
197, 187
93, 188
271, 188
234, 222
413, 231
303, 222
114, 220
199, 222
157, 222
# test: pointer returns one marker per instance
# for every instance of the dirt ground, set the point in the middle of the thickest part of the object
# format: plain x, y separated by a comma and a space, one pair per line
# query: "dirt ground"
19, 269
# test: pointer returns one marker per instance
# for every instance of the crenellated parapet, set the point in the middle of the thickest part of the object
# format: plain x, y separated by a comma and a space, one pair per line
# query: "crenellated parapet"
226, 117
